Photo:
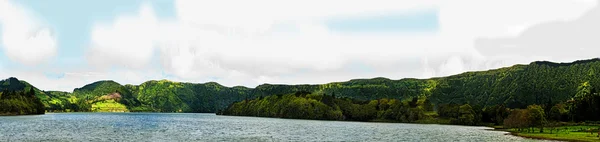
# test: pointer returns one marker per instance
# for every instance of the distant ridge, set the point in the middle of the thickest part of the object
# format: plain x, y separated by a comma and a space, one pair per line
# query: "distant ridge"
566, 64
515, 86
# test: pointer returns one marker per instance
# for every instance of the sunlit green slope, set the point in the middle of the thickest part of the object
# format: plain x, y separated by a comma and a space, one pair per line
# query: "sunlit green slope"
516, 87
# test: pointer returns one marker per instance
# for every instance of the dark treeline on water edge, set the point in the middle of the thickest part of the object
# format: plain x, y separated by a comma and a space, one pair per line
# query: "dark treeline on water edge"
547, 100
19, 99
306, 105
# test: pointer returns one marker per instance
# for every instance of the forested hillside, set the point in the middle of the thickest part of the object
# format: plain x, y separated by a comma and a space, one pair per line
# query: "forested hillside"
305, 105
520, 85
18, 98
541, 94
168, 96
151, 96
514, 87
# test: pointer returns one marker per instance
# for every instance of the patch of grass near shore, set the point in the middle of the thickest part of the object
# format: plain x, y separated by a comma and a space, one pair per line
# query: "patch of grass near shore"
565, 133
109, 106
573, 136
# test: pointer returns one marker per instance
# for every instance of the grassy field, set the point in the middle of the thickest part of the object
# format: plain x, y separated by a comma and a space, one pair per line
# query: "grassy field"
566, 133
109, 106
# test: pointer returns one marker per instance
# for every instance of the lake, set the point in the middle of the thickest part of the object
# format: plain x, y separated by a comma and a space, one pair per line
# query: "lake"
210, 127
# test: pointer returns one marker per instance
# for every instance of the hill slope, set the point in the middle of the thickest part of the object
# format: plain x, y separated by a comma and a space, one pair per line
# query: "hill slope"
526, 95
19, 98
107, 96
515, 87
168, 96
151, 96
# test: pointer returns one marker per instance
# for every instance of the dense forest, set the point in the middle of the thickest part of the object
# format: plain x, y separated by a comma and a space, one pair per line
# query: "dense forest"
168, 96
583, 107
151, 96
515, 87
541, 94
17, 98
305, 105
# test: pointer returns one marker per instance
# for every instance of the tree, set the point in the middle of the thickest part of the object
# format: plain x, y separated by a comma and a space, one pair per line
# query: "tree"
413, 102
467, 115
448, 110
37, 103
495, 114
537, 117
518, 118
585, 106
558, 112
427, 105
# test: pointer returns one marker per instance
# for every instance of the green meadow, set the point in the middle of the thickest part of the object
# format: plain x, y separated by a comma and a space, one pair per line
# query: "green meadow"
564, 133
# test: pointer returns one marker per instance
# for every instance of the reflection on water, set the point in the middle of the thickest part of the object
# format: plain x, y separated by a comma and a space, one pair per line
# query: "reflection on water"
209, 127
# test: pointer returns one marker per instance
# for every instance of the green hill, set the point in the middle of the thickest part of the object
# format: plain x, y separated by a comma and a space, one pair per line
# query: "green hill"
151, 96
515, 87
563, 91
304, 105
107, 96
168, 96
19, 98
362, 89
520, 85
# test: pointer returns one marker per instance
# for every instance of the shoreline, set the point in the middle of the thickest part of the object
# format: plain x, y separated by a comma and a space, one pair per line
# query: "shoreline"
13, 114
373, 121
517, 134
542, 138
489, 128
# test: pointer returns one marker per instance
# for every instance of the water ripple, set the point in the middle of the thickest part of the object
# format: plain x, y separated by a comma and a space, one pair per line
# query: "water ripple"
209, 127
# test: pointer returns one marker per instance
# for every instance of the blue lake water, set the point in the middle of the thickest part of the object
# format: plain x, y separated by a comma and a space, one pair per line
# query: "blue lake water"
210, 127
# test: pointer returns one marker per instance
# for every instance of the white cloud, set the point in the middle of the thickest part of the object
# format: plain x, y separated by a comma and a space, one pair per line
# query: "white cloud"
24, 39
76, 78
245, 40
557, 40
464, 21
261, 15
127, 42
253, 42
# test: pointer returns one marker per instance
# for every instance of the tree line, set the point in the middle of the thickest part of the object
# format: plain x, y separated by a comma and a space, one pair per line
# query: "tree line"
541, 83
20, 103
584, 106
306, 105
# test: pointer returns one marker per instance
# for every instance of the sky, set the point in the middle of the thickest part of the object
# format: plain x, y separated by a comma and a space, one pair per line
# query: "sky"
65, 44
